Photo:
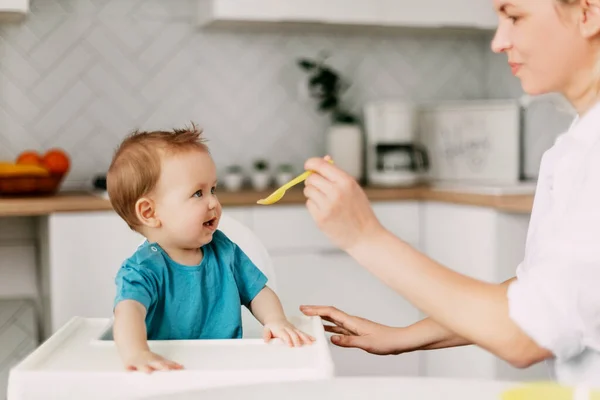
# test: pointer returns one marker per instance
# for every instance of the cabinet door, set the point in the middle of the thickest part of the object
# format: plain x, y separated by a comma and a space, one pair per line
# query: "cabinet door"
440, 13
487, 245
461, 238
14, 6
333, 278
401, 218
290, 228
81, 254
391, 13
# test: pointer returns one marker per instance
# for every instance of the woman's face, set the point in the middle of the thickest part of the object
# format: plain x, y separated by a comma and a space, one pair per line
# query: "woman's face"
545, 43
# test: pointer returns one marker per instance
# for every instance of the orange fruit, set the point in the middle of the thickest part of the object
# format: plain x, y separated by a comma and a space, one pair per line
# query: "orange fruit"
29, 157
56, 161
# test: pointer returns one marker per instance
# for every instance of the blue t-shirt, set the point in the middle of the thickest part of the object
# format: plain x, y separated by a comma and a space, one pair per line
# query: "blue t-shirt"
191, 302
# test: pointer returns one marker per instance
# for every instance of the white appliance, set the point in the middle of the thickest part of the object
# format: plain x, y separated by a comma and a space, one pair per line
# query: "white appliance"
393, 157
473, 141
493, 143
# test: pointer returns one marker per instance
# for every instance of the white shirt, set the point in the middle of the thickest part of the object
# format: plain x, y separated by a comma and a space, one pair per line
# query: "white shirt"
556, 298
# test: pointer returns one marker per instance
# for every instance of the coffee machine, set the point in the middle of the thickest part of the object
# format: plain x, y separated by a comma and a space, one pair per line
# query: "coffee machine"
393, 158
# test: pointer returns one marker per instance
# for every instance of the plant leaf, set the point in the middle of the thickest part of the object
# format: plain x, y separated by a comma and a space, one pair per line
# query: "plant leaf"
306, 64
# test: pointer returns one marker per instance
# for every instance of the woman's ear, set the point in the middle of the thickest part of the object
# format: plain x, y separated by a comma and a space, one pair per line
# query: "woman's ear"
590, 18
145, 211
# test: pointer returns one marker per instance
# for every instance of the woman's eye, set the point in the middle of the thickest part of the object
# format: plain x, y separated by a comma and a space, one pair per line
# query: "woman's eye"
513, 19
213, 190
198, 194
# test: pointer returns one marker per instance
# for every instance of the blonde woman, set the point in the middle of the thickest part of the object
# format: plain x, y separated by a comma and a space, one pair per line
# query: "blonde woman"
551, 309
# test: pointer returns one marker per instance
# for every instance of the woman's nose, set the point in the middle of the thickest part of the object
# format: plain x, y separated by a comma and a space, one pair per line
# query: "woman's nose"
501, 41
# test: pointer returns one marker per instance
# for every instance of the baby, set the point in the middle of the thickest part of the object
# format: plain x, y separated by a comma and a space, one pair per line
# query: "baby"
187, 280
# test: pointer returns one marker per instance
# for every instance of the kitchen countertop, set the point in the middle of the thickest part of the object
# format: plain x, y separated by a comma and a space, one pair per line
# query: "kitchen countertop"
88, 201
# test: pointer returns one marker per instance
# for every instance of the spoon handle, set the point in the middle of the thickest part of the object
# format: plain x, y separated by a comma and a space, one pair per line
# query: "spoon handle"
296, 180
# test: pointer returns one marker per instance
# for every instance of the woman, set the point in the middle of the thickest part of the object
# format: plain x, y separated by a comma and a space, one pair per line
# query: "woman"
551, 310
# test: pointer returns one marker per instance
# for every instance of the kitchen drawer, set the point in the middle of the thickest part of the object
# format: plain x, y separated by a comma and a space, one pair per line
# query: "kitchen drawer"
289, 228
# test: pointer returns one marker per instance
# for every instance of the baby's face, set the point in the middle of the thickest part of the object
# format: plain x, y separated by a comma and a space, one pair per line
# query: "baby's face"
186, 203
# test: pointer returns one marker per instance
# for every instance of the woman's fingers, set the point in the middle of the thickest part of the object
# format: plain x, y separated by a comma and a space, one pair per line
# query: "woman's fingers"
330, 314
350, 341
316, 197
324, 168
337, 330
323, 185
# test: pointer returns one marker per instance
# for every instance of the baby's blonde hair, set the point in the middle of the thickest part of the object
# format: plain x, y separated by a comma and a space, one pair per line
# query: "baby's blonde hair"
135, 167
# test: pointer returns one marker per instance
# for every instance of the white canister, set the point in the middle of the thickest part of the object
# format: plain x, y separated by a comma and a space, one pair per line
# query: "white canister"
345, 146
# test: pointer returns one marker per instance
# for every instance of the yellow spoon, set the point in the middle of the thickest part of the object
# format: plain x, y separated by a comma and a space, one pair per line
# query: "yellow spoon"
278, 194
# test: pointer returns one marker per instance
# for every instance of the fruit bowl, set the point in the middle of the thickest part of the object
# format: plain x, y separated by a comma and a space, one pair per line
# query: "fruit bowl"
24, 184
34, 174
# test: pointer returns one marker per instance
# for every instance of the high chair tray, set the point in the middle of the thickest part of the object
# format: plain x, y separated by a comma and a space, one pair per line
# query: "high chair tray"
80, 361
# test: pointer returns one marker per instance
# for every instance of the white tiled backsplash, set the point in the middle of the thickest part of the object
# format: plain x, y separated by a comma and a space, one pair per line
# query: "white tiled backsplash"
81, 74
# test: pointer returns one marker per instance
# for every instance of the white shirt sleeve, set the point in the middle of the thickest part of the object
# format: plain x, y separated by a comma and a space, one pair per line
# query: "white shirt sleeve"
556, 297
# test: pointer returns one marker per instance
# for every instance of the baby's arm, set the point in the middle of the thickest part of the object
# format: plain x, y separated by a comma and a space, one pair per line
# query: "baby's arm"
129, 331
267, 309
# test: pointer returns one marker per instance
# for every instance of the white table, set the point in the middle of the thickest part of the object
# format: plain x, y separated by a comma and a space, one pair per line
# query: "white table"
356, 388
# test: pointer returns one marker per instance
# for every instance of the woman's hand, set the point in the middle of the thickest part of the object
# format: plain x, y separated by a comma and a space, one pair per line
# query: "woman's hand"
338, 205
351, 331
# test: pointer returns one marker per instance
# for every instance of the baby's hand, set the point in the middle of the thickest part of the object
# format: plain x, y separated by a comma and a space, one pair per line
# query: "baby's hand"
146, 361
287, 332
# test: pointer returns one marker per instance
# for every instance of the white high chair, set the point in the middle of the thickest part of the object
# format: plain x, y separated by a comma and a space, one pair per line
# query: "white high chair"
80, 360
256, 251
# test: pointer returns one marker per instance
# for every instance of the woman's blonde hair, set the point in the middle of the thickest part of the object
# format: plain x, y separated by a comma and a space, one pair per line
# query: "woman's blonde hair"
597, 69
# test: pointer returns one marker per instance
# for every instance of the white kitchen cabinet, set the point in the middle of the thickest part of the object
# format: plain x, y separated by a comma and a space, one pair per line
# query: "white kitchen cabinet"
11, 10
333, 278
291, 228
310, 270
80, 256
380, 13
485, 244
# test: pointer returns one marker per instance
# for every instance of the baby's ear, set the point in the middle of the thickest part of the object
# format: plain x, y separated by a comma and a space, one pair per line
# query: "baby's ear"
145, 211
590, 21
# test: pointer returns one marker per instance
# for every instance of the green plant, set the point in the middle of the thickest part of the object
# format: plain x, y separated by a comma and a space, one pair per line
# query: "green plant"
234, 169
261, 165
326, 86
286, 168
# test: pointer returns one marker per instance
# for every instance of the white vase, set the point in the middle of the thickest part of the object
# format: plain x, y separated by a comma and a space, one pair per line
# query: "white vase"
233, 181
261, 180
283, 177
344, 144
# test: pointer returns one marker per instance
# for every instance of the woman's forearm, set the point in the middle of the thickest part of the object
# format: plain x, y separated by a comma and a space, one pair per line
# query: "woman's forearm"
439, 337
435, 336
474, 310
